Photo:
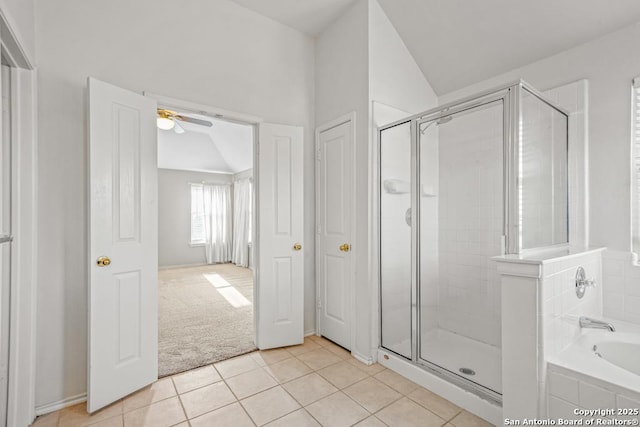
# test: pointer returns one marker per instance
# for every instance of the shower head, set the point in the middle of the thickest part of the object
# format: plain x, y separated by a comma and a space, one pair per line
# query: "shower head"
440, 121
443, 120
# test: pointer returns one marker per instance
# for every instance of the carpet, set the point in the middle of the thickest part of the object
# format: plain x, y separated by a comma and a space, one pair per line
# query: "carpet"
205, 315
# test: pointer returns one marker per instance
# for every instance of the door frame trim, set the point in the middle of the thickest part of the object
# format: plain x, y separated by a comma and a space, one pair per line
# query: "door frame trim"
246, 119
346, 118
24, 146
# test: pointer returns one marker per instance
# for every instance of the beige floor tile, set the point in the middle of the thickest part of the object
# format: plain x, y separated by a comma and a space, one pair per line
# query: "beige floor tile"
368, 369
110, 422
396, 381
467, 419
236, 366
184, 424
436, 404
252, 382
318, 359
76, 415
288, 370
337, 410
342, 374
407, 413
195, 378
309, 388
269, 405
370, 422
322, 341
160, 390
207, 398
372, 394
229, 416
309, 345
337, 350
165, 413
47, 420
299, 418
269, 357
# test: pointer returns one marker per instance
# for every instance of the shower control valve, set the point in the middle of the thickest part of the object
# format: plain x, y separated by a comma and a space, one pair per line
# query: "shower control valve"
582, 283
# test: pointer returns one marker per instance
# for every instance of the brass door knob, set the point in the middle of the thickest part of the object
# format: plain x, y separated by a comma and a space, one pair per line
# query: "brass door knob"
103, 261
297, 247
345, 247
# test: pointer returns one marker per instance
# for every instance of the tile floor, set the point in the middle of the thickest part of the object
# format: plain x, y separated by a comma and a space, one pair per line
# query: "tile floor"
314, 384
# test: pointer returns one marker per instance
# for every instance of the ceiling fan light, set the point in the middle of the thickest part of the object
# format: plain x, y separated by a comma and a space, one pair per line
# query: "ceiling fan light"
165, 123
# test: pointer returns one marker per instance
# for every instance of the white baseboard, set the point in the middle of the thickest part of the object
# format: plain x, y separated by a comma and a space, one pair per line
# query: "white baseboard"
61, 404
169, 267
364, 359
309, 333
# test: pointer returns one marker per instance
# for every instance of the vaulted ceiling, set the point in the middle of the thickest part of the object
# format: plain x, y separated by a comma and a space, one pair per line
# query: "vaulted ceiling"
225, 147
460, 42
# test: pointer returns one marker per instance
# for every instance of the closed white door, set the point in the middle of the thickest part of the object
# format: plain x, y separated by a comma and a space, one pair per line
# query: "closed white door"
123, 259
280, 260
334, 231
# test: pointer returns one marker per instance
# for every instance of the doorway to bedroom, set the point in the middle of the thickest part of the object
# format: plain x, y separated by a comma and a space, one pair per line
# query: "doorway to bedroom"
205, 253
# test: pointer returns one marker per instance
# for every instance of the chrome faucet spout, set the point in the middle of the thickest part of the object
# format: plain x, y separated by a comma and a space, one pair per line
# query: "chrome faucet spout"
588, 322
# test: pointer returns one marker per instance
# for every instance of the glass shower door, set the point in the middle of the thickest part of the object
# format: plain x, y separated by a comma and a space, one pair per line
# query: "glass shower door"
461, 203
396, 239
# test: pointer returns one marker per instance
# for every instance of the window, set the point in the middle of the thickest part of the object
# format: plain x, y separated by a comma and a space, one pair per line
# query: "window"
635, 165
197, 215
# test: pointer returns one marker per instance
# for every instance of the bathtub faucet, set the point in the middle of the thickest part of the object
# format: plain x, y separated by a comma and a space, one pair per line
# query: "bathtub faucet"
588, 322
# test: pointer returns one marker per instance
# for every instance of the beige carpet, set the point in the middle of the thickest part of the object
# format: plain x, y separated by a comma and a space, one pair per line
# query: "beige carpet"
205, 315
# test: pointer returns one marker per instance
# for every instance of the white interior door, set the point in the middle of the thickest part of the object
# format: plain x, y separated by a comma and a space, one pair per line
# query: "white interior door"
334, 213
280, 268
123, 260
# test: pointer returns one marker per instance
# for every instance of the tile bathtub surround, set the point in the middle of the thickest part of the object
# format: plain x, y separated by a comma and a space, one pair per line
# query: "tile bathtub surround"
294, 386
621, 286
568, 390
540, 318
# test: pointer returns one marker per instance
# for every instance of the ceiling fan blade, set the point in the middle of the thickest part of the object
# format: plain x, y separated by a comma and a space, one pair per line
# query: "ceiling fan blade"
193, 120
177, 128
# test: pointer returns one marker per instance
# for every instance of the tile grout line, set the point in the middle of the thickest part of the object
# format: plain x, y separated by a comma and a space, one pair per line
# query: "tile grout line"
238, 400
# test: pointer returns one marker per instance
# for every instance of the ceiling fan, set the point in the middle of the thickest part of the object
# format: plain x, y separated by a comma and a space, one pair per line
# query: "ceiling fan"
168, 120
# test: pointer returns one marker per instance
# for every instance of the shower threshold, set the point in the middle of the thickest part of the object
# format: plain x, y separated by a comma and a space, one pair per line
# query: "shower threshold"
474, 360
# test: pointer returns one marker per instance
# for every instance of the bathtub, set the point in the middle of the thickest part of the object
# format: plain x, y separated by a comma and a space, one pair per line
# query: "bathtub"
599, 371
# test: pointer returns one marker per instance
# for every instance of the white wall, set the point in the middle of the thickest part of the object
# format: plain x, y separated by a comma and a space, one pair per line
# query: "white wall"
341, 87
174, 215
214, 53
361, 58
20, 15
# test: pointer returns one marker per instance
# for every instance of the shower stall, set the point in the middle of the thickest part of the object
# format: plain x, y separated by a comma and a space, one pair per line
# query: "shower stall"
458, 185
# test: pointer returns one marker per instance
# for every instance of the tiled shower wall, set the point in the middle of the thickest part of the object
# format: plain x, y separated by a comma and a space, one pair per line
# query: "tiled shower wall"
470, 223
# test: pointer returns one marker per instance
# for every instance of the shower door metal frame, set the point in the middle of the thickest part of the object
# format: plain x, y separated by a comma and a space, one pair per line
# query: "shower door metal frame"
505, 99
511, 96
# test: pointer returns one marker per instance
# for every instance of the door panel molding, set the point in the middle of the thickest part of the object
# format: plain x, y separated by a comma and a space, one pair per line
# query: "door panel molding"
350, 310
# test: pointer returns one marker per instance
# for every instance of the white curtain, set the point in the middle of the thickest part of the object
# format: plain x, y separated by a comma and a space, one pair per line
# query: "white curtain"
217, 222
241, 222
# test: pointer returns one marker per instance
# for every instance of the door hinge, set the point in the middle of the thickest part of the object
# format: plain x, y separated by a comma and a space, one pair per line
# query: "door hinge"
319, 304
318, 155
319, 229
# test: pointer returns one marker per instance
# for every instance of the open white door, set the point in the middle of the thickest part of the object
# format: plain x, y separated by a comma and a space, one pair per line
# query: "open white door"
280, 269
123, 259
